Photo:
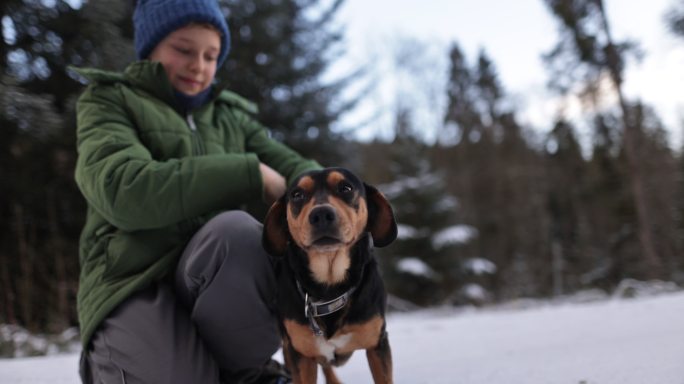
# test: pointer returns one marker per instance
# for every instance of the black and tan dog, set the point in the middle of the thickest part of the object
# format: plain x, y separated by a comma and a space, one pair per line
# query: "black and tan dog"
331, 298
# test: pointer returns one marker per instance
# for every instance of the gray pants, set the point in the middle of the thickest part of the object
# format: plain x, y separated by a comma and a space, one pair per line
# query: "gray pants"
218, 318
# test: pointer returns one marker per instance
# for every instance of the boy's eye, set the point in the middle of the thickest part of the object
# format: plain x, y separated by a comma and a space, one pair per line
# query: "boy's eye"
182, 50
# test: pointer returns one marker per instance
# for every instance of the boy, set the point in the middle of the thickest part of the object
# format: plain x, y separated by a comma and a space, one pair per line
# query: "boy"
174, 285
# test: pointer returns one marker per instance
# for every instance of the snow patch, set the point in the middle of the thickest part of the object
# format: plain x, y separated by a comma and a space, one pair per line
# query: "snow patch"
475, 293
479, 266
626, 341
630, 288
16, 341
415, 266
458, 234
405, 232
392, 190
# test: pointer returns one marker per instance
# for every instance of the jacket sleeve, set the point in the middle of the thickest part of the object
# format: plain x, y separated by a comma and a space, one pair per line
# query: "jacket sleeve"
276, 155
119, 178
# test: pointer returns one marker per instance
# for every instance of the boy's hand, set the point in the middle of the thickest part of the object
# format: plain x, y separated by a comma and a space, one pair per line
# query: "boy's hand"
274, 183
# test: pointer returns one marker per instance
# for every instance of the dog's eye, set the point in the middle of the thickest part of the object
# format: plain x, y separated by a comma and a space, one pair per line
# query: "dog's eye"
346, 188
297, 195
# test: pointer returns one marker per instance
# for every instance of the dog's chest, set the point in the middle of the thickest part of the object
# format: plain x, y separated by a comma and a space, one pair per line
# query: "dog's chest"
328, 348
345, 341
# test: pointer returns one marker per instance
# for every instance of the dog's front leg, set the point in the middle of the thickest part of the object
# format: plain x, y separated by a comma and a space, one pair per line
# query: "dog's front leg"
380, 361
304, 370
330, 376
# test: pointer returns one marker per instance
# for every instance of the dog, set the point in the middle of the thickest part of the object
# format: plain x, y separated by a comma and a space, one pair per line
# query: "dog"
331, 298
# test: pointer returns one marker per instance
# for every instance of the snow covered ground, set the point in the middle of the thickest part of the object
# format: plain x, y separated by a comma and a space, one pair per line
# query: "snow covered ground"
628, 341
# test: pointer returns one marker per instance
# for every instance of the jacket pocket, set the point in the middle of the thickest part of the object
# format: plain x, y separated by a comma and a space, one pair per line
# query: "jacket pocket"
131, 253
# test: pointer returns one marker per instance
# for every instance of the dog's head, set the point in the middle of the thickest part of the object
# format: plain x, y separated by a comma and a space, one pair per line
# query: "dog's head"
325, 213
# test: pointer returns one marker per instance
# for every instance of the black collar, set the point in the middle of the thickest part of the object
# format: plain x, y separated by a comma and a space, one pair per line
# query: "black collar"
313, 308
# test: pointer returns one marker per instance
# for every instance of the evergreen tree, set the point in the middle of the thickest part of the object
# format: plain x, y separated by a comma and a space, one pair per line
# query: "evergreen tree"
675, 18
497, 176
566, 173
489, 90
612, 218
661, 176
39, 236
586, 54
425, 265
462, 122
280, 51
610, 213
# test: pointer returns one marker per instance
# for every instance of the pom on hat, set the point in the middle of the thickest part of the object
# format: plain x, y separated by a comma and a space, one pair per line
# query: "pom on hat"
153, 20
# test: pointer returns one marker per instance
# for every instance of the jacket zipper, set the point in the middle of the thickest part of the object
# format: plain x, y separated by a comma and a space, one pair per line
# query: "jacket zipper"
196, 140
197, 150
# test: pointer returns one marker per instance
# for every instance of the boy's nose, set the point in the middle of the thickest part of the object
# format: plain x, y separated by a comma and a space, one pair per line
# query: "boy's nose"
197, 64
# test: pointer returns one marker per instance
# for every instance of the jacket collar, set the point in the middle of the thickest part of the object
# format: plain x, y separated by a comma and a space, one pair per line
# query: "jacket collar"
150, 77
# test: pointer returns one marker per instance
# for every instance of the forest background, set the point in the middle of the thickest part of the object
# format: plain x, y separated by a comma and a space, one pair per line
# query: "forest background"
490, 209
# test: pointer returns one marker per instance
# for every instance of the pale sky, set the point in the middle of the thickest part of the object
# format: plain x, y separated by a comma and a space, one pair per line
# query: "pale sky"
374, 28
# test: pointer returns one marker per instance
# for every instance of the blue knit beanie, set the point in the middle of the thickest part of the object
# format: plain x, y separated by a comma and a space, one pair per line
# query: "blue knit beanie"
153, 20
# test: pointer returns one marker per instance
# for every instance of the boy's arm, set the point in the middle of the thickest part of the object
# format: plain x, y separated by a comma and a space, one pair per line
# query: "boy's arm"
276, 155
119, 178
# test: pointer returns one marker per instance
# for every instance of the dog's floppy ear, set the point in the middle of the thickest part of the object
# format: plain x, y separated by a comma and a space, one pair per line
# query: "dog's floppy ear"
381, 222
276, 236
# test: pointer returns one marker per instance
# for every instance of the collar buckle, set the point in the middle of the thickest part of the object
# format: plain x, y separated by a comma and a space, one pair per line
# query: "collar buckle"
313, 309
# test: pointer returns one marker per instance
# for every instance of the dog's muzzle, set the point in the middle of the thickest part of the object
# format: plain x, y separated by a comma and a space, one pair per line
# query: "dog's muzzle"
324, 225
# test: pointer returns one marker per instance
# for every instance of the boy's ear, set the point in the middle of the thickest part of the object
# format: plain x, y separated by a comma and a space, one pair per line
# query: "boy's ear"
381, 223
276, 235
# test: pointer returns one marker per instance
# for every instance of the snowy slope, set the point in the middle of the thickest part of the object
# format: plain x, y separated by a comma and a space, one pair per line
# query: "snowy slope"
637, 341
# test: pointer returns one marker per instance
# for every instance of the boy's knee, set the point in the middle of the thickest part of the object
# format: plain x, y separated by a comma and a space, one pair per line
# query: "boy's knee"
238, 235
233, 223
232, 232
231, 242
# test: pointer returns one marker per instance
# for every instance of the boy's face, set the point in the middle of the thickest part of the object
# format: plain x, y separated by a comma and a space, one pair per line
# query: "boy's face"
189, 57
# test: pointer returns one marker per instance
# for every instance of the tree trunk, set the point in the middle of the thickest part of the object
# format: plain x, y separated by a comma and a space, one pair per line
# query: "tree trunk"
652, 260
557, 267
6, 285
62, 316
26, 267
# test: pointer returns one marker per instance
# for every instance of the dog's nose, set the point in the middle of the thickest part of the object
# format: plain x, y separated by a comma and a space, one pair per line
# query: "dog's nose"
322, 217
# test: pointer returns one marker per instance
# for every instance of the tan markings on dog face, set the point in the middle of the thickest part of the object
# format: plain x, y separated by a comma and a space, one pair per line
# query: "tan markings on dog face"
334, 178
352, 219
358, 336
306, 183
298, 221
358, 220
299, 226
329, 267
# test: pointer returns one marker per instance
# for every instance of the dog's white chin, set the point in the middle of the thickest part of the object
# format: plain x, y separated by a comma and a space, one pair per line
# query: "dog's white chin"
328, 248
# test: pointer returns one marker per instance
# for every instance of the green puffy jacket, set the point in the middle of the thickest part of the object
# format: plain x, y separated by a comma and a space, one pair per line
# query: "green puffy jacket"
152, 177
